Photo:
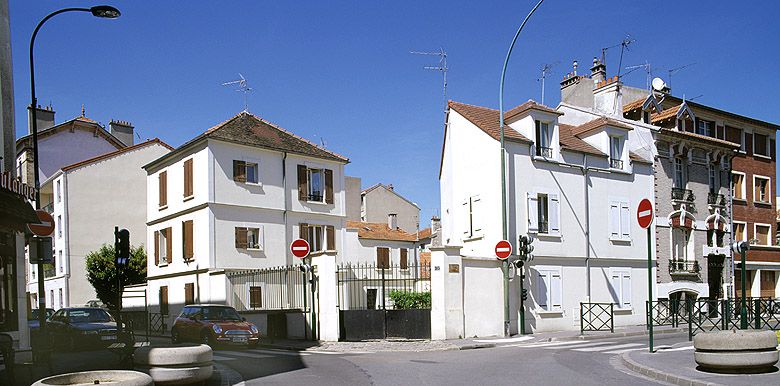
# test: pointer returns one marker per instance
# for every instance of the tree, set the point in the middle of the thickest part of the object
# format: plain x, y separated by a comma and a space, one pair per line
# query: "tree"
102, 273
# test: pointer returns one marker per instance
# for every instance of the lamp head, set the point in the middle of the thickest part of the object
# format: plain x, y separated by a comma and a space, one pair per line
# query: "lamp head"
106, 11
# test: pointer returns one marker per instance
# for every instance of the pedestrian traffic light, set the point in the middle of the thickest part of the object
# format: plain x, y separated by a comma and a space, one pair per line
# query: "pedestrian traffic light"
122, 245
525, 294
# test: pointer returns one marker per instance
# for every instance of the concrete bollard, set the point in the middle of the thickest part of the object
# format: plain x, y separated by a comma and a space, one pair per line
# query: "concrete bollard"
175, 365
112, 377
736, 351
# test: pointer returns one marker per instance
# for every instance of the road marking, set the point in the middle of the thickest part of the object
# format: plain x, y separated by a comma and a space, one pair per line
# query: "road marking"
340, 352
551, 344
625, 350
581, 345
504, 340
679, 348
246, 354
592, 349
280, 352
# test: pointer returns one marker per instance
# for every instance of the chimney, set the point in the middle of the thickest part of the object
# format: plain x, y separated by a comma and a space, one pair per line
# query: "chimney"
598, 72
392, 220
44, 118
435, 231
390, 187
123, 131
607, 97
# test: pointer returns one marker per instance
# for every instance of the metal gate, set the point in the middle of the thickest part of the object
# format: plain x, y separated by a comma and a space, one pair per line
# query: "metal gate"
378, 302
597, 317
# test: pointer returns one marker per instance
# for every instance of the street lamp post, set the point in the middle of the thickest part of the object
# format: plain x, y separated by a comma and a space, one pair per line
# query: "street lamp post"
104, 11
504, 225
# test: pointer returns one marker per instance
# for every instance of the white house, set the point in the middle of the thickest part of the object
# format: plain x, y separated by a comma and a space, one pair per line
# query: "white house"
233, 198
574, 188
380, 244
87, 200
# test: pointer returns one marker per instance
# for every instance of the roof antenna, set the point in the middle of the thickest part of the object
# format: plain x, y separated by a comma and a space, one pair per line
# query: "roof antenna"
647, 68
623, 46
545, 70
242, 87
676, 69
441, 67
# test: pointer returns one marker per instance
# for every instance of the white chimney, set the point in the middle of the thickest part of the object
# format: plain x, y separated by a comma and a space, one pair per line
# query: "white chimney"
392, 220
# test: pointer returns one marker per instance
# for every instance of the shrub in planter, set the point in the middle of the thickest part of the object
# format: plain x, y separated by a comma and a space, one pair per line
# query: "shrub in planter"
404, 300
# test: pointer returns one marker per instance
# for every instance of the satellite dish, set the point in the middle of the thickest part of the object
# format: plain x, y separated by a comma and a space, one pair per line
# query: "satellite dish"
658, 84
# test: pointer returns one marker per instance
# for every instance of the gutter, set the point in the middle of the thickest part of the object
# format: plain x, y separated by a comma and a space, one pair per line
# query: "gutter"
286, 206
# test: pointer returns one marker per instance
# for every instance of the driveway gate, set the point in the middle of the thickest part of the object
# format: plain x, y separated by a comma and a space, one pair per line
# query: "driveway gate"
378, 302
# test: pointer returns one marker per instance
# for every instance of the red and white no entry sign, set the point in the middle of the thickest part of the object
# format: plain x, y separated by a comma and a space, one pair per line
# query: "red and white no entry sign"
503, 249
300, 248
44, 227
644, 213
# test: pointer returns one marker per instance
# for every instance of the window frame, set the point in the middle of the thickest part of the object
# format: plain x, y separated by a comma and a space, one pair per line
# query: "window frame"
766, 146
768, 235
164, 239
768, 194
311, 197
620, 292
312, 229
688, 235
553, 213
544, 139
683, 173
713, 178
734, 230
707, 130
616, 144
249, 229
550, 272
743, 191
623, 225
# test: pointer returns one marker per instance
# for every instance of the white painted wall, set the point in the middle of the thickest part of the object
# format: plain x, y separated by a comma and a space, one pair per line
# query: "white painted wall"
363, 251
66, 147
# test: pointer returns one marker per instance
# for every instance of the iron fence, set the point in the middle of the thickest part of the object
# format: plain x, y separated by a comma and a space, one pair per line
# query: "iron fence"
704, 315
368, 286
157, 323
270, 289
597, 317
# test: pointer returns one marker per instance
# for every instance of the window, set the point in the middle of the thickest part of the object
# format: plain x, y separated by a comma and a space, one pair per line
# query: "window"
739, 231
187, 240
621, 287
315, 184
544, 213
188, 190
762, 232
738, 186
248, 238
404, 261
619, 220
164, 300
51, 298
704, 128
59, 259
645, 116
679, 173
616, 152
189, 293
59, 192
761, 190
59, 226
162, 246
734, 135
255, 297
543, 147
320, 237
162, 188
760, 145
245, 172
472, 214
60, 298
680, 240
549, 290
713, 178
383, 257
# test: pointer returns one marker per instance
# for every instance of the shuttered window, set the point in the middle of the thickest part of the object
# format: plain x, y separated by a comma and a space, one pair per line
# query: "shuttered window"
315, 184
383, 257
249, 238
255, 297
162, 246
767, 283
738, 186
189, 293
549, 291
404, 262
619, 220
734, 135
162, 187
621, 288
187, 240
246, 172
320, 237
760, 143
188, 190
164, 300
544, 214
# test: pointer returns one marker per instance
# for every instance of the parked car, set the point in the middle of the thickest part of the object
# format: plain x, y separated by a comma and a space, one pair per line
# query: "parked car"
95, 303
211, 324
34, 323
82, 327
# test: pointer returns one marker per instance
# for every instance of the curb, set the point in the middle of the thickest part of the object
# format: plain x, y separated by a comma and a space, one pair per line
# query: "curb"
615, 335
659, 374
476, 346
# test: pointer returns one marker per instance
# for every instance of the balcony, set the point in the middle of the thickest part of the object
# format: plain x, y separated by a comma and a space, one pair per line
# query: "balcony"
716, 199
314, 197
545, 152
678, 267
615, 163
679, 194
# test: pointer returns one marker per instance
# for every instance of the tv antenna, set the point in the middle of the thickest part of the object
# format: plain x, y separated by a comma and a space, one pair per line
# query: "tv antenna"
242, 87
647, 68
442, 67
545, 70
623, 47
676, 69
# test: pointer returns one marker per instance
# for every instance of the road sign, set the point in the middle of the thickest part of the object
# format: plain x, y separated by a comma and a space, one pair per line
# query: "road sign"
45, 225
503, 249
300, 248
644, 214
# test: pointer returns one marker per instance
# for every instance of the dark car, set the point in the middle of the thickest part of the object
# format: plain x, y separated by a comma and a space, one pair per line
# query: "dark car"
33, 323
82, 327
212, 324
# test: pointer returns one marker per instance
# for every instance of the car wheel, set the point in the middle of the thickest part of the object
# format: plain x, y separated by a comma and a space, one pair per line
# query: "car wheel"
205, 338
175, 338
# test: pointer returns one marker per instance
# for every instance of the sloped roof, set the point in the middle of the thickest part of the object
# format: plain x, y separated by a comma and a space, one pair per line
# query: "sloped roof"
487, 120
373, 187
666, 114
424, 233
529, 105
570, 142
598, 123
379, 231
636, 158
116, 153
26, 140
689, 135
633, 105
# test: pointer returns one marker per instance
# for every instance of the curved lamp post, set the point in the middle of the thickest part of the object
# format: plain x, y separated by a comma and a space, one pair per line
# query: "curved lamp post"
104, 11
504, 225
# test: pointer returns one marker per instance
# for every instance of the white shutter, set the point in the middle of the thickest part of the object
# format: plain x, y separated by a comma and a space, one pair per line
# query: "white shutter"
616, 292
554, 214
626, 294
625, 221
555, 285
467, 217
533, 213
614, 220
543, 288
476, 212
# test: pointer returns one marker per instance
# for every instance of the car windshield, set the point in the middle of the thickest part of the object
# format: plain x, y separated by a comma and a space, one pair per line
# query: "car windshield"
220, 313
49, 313
89, 316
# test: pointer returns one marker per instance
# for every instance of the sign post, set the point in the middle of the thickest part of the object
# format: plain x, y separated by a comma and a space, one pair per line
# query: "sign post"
44, 228
644, 215
300, 248
503, 249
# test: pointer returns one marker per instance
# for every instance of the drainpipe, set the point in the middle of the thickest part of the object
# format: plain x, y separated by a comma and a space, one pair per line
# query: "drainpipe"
731, 228
587, 229
286, 207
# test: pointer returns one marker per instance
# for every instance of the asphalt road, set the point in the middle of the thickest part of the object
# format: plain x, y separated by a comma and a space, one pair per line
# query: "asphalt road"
526, 363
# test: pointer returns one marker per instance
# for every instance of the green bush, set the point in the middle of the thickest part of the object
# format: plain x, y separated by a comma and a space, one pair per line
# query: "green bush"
404, 300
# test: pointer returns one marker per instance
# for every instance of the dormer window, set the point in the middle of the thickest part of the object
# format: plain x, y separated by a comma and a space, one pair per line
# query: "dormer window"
543, 140
646, 116
616, 152
704, 128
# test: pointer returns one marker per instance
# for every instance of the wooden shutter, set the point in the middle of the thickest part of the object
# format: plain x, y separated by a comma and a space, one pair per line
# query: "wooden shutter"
328, 186
533, 213
330, 234
543, 288
614, 219
168, 244
156, 247
255, 297
164, 300
625, 221
163, 188
241, 240
626, 287
404, 258
749, 143
554, 214
383, 257
760, 144
189, 253
303, 183
720, 132
239, 171
772, 149
303, 232
188, 178
556, 299
189, 293
733, 135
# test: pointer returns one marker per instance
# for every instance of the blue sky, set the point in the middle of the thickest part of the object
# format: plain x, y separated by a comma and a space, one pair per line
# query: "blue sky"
341, 71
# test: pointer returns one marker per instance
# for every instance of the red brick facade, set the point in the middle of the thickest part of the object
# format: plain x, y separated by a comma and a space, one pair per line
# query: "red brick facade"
750, 211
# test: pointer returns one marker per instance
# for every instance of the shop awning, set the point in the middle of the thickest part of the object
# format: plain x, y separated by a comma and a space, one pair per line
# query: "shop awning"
15, 211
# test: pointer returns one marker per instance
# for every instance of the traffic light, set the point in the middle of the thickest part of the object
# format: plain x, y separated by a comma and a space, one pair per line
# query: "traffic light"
524, 247
519, 263
305, 268
122, 244
525, 294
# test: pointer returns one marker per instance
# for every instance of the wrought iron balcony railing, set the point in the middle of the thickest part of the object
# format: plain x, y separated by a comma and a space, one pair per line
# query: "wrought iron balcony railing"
615, 163
683, 267
545, 152
680, 194
716, 199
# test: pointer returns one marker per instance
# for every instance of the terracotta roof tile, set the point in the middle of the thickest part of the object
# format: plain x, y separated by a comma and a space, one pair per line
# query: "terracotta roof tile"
529, 105
570, 142
637, 104
424, 233
598, 123
487, 120
116, 153
688, 135
666, 114
379, 231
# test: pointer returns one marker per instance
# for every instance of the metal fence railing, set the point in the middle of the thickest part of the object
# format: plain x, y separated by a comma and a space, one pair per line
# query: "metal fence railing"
597, 317
369, 286
270, 289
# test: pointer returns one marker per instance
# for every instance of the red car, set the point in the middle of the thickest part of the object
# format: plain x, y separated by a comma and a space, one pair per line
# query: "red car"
211, 324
